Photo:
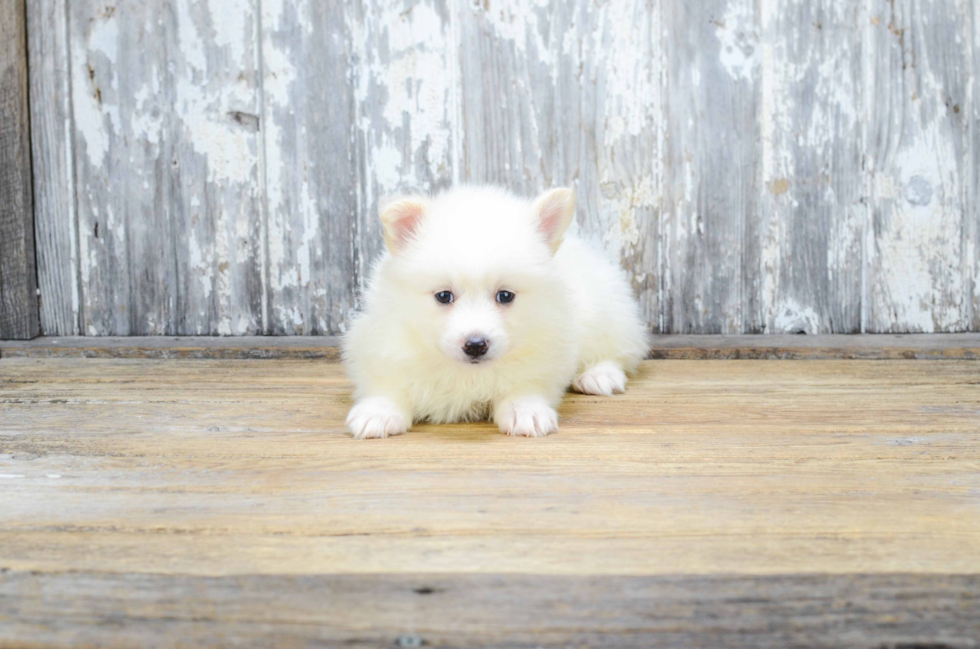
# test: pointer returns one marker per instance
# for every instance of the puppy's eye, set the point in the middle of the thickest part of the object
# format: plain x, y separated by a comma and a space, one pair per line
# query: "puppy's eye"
445, 297
505, 297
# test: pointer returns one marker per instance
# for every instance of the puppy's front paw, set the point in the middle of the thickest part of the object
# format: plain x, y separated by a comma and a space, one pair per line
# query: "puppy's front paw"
376, 417
604, 379
528, 416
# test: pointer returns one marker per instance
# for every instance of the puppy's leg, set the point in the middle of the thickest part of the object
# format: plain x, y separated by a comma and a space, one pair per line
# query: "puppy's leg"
377, 417
603, 379
526, 416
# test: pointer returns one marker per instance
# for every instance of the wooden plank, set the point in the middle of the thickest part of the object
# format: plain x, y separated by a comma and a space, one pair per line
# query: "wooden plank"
813, 504
672, 346
378, 88
972, 229
123, 202
18, 273
216, 187
310, 166
55, 219
508, 94
820, 347
919, 152
569, 94
406, 90
827, 467
490, 610
167, 160
293, 347
607, 132
711, 167
813, 208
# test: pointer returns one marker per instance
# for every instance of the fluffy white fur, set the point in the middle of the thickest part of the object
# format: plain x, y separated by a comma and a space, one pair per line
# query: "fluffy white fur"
573, 321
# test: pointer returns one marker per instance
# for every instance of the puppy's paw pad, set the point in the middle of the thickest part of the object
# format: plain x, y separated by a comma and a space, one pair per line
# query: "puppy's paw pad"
375, 418
603, 379
531, 417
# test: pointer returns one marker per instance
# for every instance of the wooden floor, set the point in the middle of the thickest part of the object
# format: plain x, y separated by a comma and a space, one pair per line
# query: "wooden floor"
716, 503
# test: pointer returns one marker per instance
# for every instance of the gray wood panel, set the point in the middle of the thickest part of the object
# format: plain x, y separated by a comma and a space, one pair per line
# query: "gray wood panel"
712, 166
167, 162
508, 94
406, 91
973, 196
54, 181
449, 610
18, 275
608, 117
213, 60
774, 166
919, 152
812, 215
569, 94
309, 168
127, 262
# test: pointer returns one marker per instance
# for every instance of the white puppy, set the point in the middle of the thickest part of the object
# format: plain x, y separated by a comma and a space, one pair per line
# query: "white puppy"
480, 309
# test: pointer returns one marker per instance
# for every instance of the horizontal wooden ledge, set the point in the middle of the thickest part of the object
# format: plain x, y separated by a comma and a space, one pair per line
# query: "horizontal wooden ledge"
491, 610
960, 346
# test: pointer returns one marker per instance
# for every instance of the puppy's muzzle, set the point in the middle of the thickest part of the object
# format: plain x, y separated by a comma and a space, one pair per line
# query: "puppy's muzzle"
476, 348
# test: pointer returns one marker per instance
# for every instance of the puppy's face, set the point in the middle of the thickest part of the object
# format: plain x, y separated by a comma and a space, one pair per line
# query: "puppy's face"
474, 272
474, 319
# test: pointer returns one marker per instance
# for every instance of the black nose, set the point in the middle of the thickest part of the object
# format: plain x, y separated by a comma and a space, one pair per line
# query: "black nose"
476, 347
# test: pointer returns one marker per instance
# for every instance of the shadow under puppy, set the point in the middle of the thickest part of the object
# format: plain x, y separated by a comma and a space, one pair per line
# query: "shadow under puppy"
483, 308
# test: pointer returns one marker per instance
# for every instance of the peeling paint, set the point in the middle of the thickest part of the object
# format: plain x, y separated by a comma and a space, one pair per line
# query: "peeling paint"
794, 318
777, 166
403, 95
812, 215
917, 270
166, 175
93, 59
737, 33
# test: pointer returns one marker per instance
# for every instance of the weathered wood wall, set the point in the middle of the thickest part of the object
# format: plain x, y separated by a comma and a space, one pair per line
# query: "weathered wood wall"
18, 278
757, 165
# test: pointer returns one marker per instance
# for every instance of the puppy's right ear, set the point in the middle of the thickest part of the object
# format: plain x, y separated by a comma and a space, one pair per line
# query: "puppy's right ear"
400, 221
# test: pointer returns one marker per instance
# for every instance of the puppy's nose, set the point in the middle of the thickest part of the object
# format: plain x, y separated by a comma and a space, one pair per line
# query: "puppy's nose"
476, 347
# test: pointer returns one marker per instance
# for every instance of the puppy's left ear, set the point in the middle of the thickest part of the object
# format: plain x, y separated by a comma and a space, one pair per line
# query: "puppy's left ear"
554, 210
400, 221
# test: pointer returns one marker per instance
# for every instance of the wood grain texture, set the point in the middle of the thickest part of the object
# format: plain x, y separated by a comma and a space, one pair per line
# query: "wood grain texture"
712, 167
813, 209
827, 467
569, 94
123, 183
771, 166
215, 172
508, 78
609, 141
670, 346
825, 503
310, 166
167, 161
490, 610
919, 151
56, 222
972, 229
18, 273
406, 88
326, 348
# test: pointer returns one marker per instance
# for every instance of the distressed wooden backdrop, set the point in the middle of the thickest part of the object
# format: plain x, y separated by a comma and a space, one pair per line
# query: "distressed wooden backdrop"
215, 166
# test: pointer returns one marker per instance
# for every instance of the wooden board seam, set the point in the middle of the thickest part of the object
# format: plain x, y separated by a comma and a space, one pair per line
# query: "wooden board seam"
675, 347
